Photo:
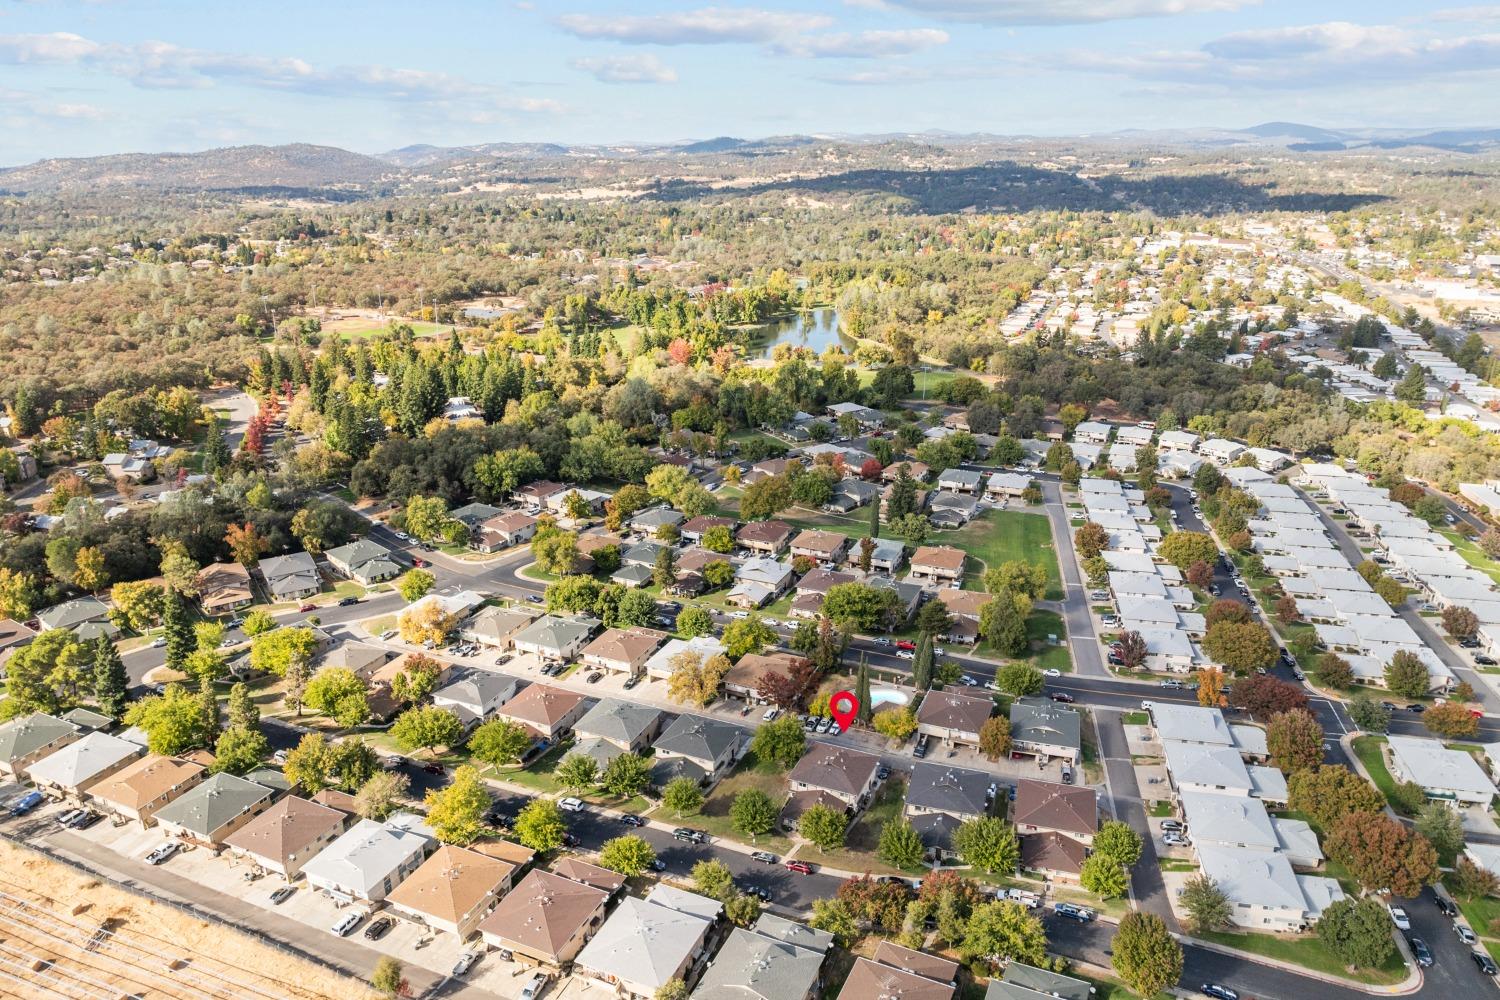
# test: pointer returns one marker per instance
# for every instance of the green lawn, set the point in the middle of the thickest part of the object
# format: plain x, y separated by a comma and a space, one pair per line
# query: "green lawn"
1043, 655
1370, 753
1136, 719
1473, 554
420, 327
1000, 536
1310, 953
864, 834
749, 773
1478, 912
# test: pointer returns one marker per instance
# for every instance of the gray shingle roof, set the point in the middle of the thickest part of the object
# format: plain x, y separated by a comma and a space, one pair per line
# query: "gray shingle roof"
750, 965
212, 804
949, 789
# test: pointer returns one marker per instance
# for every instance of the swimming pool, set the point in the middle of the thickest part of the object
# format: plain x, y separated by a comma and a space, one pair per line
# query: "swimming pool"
888, 696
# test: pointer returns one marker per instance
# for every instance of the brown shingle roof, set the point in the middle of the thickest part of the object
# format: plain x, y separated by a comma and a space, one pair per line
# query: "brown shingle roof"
624, 645
964, 713
1052, 852
765, 532
825, 543
837, 769
1056, 807
223, 583
873, 981
581, 871
286, 828
147, 780
541, 704
543, 912
939, 557
964, 603
703, 522
451, 883
753, 668
932, 966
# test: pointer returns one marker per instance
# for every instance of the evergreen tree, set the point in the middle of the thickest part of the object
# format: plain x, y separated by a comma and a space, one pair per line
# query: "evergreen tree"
862, 690
179, 634
921, 664
110, 679
243, 712
875, 518
208, 711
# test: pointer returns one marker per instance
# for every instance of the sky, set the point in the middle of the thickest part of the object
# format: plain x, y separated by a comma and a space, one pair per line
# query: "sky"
89, 77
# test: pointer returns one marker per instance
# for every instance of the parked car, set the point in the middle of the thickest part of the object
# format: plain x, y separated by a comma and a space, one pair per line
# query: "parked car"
1483, 660
690, 836
770, 714
1445, 905
570, 804
26, 803
308, 607
882, 772
535, 598
1172, 824
760, 892
905, 654
282, 894
1420, 952
1051, 672
630, 819
765, 857
967, 681
348, 601
1465, 935
379, 928
800, 867
345, 925
66, 819
1485, 963
534, 987
1400, 918
465, 963
433, 768
632, 681
1061, 696
596, 677
161, 853
87, 819
1072, 911
881, 640
1172, 685
1218, 992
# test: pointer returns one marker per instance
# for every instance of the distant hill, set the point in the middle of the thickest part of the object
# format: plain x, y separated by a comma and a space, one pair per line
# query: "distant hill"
235, 168
722, 144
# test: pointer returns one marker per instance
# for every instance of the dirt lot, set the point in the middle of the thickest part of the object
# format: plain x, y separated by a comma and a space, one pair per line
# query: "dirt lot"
103, 938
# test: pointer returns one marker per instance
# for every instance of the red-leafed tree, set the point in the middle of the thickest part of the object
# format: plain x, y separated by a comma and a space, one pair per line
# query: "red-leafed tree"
787, 688
1263, 696
870, 470
1383, 854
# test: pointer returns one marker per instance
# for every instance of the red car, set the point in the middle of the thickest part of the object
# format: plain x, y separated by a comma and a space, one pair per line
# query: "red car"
308, 607
419, 563
800, 867
906, 644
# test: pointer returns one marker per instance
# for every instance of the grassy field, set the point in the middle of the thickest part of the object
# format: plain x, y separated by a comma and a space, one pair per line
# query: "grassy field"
1473, 554
1043, 655
355, 328
1310, 953
749, 773
541, 776
1000, 536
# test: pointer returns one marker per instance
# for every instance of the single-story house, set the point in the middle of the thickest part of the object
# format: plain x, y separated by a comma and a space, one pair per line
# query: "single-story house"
869, 979
364, 562
1442, 773
659, 664
754, 966
503, 532
1053, 856
747, 677
290, 577
652, 520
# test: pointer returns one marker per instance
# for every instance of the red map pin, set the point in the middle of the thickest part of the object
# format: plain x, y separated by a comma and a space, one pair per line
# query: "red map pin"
844, 707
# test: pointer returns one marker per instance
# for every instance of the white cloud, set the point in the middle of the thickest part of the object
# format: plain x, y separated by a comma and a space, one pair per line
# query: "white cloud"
1314, 55
164, 66
1470, 14
863, 44
627, 69
706, 26
1053, 11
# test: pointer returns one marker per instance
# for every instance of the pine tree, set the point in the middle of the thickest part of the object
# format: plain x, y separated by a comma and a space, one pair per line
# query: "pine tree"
243, 712
875, 518
208, 711
862, 691
110, 679
179, 634
921, 664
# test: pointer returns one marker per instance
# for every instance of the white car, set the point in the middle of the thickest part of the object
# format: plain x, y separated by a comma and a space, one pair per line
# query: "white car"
771, 622
570, 804
533, 989
939, 651
771, 714
1053, 672
739, 614
905, 654
1400, 919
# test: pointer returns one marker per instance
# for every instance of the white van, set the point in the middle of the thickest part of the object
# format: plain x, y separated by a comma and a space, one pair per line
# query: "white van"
570, 804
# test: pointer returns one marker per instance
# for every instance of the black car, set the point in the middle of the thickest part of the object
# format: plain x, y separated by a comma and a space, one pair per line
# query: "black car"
1445, 906
690, 836
84, 820
569, 840
498, 817
1420, 951
1218, 991
630, 820
632, 681
379, 928
1469, 643
1485, 661
434, 768
1061, 696
658, 865
882, 772
760, 892
1417, 707
346, 602
1485, 963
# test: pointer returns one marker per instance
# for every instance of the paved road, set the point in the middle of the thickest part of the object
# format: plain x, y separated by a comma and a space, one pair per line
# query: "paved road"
1147, 886
1077, 613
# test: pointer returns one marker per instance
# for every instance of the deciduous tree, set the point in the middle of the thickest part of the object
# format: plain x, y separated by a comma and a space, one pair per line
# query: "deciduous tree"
1145, 954
1380, 853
